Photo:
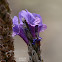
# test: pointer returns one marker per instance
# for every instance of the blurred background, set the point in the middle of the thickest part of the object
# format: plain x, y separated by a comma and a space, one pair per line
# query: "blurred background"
51, 13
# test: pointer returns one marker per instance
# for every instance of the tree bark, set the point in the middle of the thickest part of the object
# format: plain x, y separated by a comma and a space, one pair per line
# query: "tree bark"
6, 40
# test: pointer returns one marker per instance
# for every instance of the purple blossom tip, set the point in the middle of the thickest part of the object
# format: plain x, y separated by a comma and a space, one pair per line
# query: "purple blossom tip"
27, 27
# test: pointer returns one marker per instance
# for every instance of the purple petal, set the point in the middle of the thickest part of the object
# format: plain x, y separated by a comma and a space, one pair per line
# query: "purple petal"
31, 18
27, 15
22, 34
32, 30
37, 21
13, 34
42, 28
23, 14
37, 15
16, 29
15, 20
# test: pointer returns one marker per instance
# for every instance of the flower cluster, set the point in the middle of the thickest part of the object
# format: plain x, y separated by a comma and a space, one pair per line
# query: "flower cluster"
28, 26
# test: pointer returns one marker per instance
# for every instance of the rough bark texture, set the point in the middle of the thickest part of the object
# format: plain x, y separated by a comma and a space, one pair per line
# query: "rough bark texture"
6, 40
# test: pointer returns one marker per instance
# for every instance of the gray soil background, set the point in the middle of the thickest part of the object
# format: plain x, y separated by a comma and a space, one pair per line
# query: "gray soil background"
51, 13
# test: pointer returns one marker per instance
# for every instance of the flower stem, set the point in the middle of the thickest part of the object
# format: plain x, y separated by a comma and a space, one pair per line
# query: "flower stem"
34, 53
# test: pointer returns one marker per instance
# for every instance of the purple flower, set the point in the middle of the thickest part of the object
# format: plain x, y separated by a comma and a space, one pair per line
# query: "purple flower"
29, 27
